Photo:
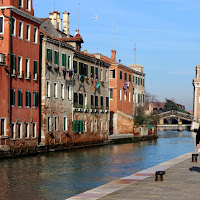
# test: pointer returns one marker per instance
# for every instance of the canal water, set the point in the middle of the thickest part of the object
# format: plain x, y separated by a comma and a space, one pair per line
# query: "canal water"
60, 175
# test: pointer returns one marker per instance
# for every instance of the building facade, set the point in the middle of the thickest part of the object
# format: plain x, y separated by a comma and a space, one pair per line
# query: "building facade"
126, 94
196, 94
19, 76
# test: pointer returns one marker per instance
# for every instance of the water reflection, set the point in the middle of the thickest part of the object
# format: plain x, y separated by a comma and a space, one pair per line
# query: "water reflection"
63, 174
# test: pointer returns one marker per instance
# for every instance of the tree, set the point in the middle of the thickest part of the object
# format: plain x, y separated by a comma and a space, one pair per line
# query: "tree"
150, 97
170, 105
140, 117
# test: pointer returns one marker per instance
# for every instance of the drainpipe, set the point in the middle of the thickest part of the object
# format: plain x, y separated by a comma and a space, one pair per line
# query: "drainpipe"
10, 51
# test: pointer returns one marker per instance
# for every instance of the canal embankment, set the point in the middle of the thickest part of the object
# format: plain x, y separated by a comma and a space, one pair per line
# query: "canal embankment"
181, 181
40, 149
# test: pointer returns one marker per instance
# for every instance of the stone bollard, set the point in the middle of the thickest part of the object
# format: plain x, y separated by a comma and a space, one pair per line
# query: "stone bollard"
159, 175
194, 157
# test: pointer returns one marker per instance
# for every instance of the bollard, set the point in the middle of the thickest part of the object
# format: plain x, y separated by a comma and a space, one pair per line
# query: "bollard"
194, 157
159, 175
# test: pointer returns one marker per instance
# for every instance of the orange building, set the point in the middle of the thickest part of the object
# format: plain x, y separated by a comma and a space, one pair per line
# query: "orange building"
19, 76
126, 93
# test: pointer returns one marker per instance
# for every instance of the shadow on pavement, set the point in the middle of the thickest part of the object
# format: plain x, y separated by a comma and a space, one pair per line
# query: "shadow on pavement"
196, 169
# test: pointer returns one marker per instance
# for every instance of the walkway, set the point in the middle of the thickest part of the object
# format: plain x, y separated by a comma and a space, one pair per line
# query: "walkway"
181, 181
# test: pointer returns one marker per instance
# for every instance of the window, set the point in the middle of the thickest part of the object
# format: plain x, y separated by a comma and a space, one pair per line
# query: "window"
1, 25
28, 99
48, 89
49, 55
20, 29
55, 91
112, 73
120, 75
65, 128
138, 81
12, 130
125, 76
20, 3
83, 69
56, 58
141, 81
77, 126
92, 72
69, 62
85, 100
64, 64
28, 5
96, 101
120, 94
62, 91
34, 130
133, 95
35, 70
49, 123
55, 123
69, 93
75, 98
107, 103
143, 98
19, 135
75, 66
101, 101
111, 93
133, 79
92, 100
28, 32
35, 99
19, 98
91, 126
13, 32
101, 125
106, 126
20, 66
97, 73
106, 75
26, 127
3, 126
138, 98
101, 74
80, 99
12, 97
129, 96
35, 35
27, 68
85, 125
95, 125
13, 64
129, 77
124, 95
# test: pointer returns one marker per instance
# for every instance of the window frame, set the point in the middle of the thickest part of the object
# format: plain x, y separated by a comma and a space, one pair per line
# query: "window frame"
65, 124
22, 3
49, 125
13, 131
14, 26
4, 131
20, 66
28, 5
1, 16
28, 32
34, 130
55, 90
35, 35
48, 89
19, 130
121, 75
26, 127
62, 91
22, 27
27, 68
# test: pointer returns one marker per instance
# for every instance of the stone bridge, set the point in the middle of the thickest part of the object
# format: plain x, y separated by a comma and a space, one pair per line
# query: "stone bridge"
178, 115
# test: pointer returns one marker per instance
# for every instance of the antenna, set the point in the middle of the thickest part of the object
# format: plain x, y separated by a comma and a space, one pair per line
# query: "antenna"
135, 54
78, 13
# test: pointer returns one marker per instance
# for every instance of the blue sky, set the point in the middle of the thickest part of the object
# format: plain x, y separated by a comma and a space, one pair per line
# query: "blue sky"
166, 33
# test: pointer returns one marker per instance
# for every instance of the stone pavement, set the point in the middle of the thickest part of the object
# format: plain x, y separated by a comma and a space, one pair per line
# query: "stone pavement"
181, 182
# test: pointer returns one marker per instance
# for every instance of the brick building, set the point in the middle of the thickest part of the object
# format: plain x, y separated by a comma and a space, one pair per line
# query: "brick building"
196, 97
74, 88
19, 69
126, 94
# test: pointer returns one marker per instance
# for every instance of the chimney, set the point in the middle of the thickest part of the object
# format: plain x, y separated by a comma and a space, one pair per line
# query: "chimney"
76, 32
119, 61
113, 55
66, 23
85, 51
55, 19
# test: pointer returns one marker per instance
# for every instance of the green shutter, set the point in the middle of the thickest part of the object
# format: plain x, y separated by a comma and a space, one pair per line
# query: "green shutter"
75, 66
68, 60
63, 60
34, 99
13, 97
81, 126
26, 100
29, 99
74, 126
121, 75
86, 70
80, 68
20, 98
129, 77
35, 67
13, 62
97, 73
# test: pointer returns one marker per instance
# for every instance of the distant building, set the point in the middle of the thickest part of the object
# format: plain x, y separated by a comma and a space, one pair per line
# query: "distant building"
19, 76
196, 96
126, 94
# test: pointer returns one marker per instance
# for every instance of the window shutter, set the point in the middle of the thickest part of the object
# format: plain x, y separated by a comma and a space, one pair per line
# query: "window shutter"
34, 99
80, 68
75, 66
50, 55
92, 72
97, 74
86, 70
20, 98
29, 99
35, 67
81, 126
113, 73
77, 127
14, 61
74, 126
68, 61
26, 100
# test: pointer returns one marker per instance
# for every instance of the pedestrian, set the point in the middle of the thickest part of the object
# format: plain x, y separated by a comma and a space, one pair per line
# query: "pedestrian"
198, 137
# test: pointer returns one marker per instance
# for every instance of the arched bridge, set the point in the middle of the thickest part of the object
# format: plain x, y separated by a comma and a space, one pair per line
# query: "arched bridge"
179, 115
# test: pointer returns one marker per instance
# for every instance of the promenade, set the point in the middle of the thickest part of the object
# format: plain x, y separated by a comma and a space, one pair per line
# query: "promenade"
181, 182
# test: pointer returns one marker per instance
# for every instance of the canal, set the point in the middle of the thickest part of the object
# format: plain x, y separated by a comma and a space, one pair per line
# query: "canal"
59, 175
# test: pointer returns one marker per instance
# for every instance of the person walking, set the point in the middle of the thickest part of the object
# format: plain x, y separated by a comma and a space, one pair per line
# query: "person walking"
198, 138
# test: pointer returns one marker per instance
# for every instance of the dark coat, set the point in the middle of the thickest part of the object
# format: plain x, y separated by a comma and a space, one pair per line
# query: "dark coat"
198, 137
